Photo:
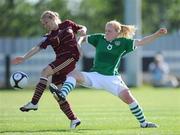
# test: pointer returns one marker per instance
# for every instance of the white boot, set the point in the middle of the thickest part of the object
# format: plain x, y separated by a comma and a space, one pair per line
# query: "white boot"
149, 125
75, 123
29, 106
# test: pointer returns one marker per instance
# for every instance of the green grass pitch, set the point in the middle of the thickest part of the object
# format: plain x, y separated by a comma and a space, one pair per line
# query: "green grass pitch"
100, 113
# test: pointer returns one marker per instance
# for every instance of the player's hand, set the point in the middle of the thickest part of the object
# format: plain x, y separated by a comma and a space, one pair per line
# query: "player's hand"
161, 31
82, 32
17, 60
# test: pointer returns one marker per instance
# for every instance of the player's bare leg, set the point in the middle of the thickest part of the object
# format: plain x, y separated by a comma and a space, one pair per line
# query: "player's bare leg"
136, 110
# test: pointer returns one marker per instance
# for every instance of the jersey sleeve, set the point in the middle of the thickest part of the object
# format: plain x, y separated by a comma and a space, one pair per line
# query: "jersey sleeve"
130, 45
74, 26
45, 42
93, 39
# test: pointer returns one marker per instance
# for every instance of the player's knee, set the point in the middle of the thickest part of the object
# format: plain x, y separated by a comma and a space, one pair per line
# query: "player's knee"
126, 97
45, 72
76, 75
79, 79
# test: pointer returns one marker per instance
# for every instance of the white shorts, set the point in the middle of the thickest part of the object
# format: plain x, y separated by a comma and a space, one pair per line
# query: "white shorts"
113, 84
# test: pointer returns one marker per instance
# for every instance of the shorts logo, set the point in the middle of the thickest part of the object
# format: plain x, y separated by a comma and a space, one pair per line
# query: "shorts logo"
117, 43
109, 47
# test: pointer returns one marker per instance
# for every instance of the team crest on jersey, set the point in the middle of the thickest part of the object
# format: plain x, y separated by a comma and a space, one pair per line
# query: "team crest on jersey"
109, 47
117, 43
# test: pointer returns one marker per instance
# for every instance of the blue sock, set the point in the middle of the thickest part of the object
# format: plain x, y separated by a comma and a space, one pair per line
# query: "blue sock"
68, 86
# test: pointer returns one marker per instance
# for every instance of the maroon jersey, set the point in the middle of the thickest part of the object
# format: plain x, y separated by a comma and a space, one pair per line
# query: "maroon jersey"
63, 40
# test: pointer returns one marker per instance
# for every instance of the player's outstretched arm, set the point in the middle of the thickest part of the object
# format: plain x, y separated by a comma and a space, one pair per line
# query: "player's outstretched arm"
29, 54
151, 38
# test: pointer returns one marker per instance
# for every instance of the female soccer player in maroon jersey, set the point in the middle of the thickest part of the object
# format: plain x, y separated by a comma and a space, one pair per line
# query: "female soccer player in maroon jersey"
62, 38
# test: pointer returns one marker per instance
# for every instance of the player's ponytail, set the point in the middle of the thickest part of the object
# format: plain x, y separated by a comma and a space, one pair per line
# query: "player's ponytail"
126, 31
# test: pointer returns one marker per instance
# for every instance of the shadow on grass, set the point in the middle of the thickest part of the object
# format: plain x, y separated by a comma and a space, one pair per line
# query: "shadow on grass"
51, 130
60, 130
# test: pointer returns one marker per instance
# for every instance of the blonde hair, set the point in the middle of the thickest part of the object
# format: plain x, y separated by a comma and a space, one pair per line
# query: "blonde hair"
126, 31
50, 15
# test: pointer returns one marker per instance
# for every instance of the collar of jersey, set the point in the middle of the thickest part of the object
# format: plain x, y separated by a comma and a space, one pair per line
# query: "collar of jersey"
109, 41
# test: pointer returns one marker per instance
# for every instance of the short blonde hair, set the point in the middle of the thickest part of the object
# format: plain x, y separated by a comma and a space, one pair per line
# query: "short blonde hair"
49, 14
126, 31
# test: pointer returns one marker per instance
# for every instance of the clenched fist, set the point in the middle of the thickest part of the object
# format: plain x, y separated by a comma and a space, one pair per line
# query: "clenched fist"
161, 31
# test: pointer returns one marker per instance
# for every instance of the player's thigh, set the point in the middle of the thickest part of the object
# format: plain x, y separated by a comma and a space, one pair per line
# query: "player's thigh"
63, 65
92, 80
47, 71
114, 84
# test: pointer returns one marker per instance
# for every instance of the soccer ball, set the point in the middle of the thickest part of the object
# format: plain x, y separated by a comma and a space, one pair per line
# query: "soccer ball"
19, 80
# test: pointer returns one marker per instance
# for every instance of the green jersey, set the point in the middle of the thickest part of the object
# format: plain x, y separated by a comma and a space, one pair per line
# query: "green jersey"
109, 53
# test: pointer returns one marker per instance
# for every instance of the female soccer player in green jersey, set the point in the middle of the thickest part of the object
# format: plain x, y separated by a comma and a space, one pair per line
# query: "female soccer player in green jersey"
110, 47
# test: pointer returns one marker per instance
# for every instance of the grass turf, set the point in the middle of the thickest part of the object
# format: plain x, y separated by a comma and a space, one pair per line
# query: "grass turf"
100, 113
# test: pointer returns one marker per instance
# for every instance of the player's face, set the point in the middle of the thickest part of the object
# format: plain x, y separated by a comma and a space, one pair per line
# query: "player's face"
49, 24
110, 32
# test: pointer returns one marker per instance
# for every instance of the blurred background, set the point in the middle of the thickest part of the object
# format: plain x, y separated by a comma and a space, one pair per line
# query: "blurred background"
20, 30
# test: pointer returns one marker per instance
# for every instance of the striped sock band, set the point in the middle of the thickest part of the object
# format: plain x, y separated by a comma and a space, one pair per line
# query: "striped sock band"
66, 108
40, 87
137, 112
68, 86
